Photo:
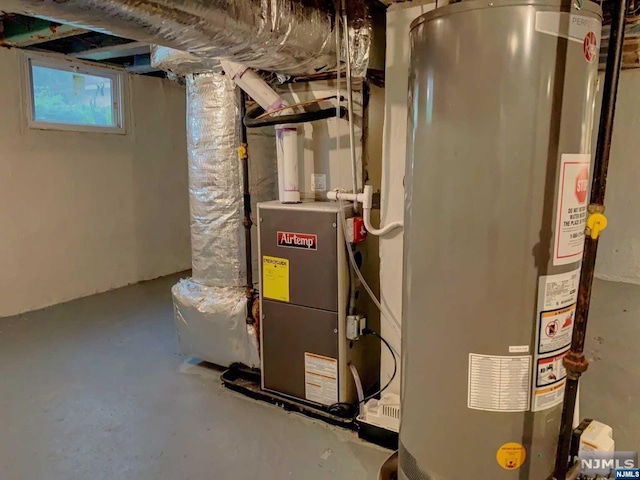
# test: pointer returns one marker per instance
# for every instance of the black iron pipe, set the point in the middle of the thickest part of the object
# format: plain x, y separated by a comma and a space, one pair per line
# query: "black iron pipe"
243, 155
251, 119
575, 361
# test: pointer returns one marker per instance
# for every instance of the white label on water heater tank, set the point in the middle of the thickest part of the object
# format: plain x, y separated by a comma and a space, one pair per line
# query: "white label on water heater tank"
571, 214
499, 383
557, 295
559, 290
572, 27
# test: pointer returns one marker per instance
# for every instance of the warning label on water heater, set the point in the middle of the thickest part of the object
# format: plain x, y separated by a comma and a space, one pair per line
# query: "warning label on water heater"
556, 329
571, 215
557, 295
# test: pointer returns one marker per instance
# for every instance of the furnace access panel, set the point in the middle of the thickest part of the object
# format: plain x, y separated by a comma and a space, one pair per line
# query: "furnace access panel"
304, 292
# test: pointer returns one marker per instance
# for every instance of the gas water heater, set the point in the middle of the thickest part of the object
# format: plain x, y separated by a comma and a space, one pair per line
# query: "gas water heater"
501, 110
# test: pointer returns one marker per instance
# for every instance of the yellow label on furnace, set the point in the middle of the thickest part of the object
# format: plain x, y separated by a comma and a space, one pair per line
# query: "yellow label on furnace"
511, 456
275, 278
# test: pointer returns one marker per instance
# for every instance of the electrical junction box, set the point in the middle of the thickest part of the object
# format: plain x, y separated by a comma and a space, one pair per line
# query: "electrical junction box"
304, 297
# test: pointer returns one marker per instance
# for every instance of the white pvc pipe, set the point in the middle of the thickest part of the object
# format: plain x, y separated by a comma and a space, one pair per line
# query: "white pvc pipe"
287, 139
378, 232
366, 198
256, 87
286, 135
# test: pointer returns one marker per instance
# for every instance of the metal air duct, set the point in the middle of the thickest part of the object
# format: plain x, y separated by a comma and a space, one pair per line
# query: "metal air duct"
290, 37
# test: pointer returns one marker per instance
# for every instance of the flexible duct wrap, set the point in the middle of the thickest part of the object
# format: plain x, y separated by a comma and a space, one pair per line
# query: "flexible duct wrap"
211, 307
215, 181
211, 324
286, 36
181, 63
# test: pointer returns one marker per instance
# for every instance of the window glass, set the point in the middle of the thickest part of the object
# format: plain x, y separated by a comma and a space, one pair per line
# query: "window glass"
62, 96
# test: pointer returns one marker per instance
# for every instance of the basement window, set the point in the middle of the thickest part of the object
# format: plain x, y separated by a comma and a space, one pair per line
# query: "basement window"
68, 95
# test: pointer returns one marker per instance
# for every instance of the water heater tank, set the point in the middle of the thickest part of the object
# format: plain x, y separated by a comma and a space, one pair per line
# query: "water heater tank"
501, 111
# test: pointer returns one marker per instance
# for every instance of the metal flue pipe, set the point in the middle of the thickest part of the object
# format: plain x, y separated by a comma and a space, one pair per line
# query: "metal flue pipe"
285, 36
575, 361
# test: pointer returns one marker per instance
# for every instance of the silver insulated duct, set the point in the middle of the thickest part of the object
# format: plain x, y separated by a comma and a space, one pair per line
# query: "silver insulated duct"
210, 308
215, 188
285, 36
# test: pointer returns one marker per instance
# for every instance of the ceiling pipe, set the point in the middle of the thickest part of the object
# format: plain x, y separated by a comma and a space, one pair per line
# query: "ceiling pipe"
285, 36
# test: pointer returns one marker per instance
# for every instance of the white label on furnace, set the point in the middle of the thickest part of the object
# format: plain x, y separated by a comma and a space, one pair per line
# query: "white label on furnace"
572, 27
320, 379
571, 215
559, 290
318, 182
499, 384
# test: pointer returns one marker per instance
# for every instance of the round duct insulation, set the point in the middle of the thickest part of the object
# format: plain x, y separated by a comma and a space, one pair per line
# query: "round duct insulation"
284, 36
210, 308
501, 110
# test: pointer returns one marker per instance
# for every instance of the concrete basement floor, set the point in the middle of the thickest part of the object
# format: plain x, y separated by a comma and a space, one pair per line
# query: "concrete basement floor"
93, 390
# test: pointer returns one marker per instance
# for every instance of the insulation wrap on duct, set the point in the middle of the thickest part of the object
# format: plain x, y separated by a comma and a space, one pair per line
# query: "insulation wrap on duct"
215, 181
181, 63
285, 36
211, 307
211, 324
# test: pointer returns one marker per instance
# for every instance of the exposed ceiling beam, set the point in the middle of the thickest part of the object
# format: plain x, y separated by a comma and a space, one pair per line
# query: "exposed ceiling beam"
18, 33
114, 51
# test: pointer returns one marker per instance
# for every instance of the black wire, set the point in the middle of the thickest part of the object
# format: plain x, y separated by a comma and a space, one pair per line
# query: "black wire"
395, 365
343, 409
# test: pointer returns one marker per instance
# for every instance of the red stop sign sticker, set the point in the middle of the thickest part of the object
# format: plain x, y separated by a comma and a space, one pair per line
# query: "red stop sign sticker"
582, 183
590, 47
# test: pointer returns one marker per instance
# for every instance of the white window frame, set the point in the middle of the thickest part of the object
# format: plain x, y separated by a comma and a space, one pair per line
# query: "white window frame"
117, 76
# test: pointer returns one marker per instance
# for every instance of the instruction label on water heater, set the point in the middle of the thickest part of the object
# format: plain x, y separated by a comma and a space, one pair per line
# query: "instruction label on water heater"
571, 214
320, 379
499, 383
560, 290
557, 296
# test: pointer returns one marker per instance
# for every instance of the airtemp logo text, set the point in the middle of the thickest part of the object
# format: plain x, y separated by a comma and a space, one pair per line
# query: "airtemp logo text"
606, 463
298, 240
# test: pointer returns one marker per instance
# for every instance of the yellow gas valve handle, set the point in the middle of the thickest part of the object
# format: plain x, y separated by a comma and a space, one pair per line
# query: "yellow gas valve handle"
242, 151
596, 223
